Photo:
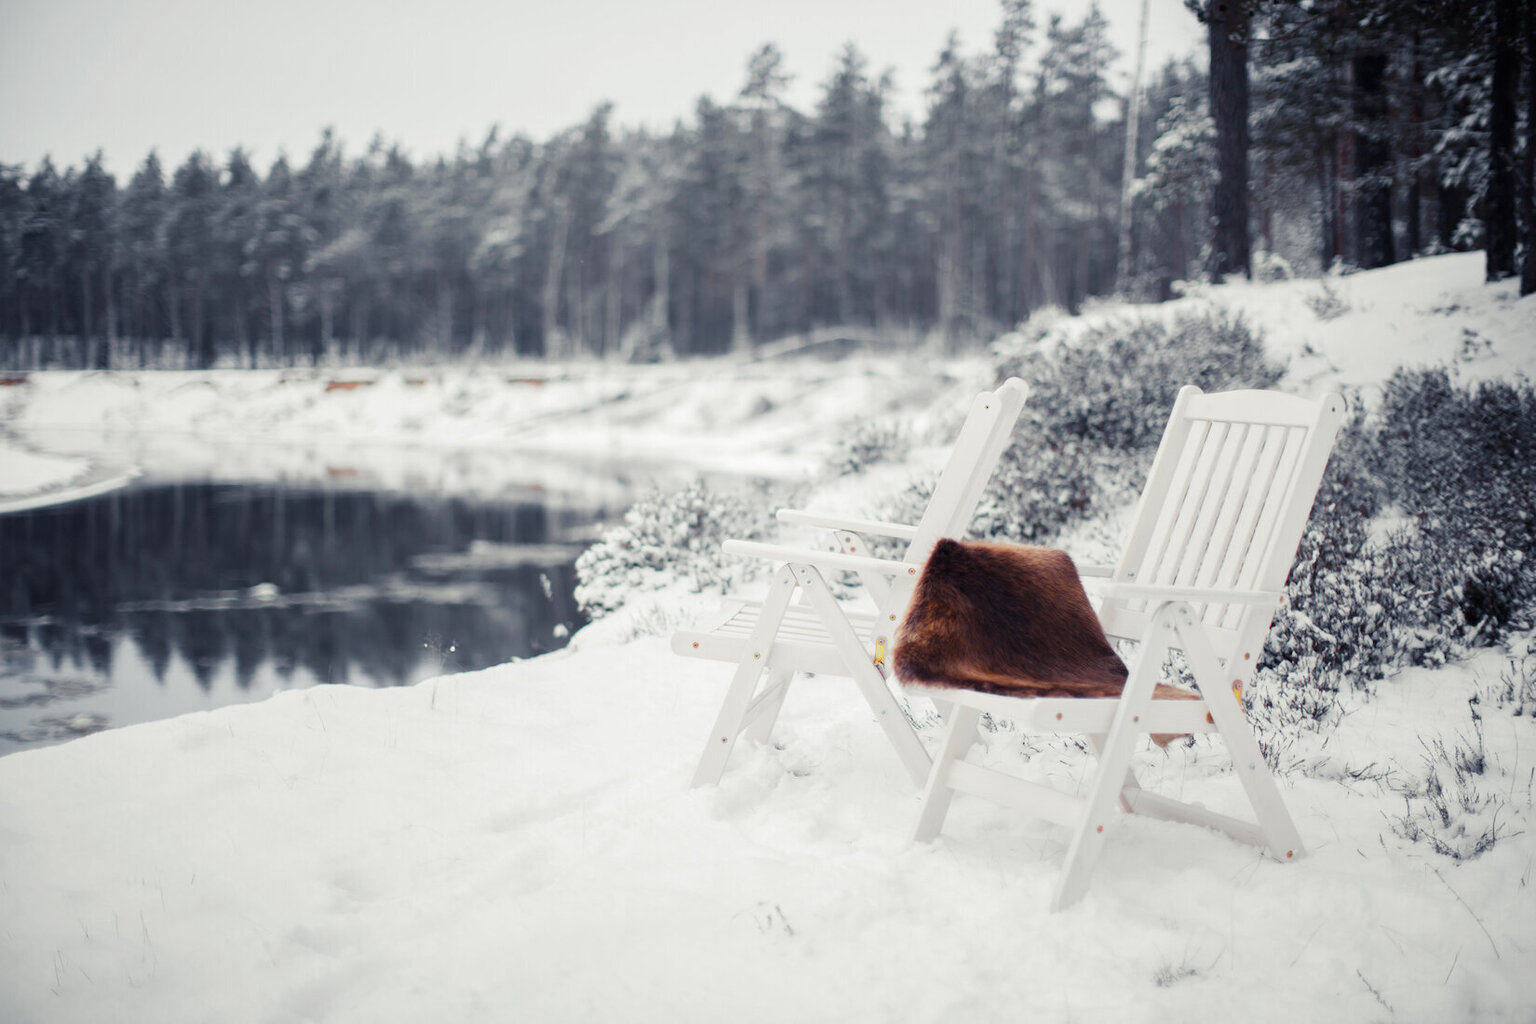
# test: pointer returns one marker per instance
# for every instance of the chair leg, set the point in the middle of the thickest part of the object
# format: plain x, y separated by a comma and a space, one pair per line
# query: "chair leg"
738, 698
959, 734
765, 711
1281, 839
1131, 788
1114, 763
888, 713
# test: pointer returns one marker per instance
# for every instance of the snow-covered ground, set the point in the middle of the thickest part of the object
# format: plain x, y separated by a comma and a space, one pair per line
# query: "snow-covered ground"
466, 428
521, 844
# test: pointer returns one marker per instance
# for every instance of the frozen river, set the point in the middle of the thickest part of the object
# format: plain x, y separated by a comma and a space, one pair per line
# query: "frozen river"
168, 597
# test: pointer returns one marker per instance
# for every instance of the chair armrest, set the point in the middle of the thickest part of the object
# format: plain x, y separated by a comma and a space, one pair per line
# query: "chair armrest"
821, 559
830, 522
1096, 571
1207, 595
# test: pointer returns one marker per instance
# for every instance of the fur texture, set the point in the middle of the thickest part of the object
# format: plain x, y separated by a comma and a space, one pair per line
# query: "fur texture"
1005, 618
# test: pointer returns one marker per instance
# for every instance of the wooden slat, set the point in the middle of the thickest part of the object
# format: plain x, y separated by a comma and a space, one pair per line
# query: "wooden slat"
1219, 549
1029, 797
1270, 408
1155, 806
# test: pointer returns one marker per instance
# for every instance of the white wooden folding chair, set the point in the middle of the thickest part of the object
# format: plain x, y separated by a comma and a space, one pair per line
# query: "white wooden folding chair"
1204, 568
777, 638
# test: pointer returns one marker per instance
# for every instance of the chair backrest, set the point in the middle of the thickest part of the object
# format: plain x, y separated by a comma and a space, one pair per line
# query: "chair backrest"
1224, 508
987, 430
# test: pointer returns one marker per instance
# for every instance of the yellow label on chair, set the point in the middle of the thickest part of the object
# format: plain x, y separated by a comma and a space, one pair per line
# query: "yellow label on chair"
880, 655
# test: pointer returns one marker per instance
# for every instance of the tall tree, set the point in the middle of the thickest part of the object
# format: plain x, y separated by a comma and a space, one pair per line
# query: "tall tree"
1528, 267
767, 186
12, 218
1011, 186
92, 231
1499, 220
235, 228
1180, 177
141, 252
954, 156
190, 242
1227, 25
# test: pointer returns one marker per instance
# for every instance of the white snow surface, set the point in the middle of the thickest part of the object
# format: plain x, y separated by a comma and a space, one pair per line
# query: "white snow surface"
24, 472
521, 843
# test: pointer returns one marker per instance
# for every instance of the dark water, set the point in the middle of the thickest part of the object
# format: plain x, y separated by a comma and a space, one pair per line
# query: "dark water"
162, 599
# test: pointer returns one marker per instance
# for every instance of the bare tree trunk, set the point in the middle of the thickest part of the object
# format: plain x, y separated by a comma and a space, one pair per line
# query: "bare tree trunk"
949, 282
661, 300
844, 260
85, 317
555, 345
760, 270
1227, 32
173, 304
1373, 159
479, 331
741, 329
327, 313
1528, 269
359, 325
1128, 166
106, 278
1500, 202
443, 329
1029, 256
275, 314
245, 342
1413, 236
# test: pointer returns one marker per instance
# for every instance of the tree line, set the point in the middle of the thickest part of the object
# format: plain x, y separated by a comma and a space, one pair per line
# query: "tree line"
1325, 131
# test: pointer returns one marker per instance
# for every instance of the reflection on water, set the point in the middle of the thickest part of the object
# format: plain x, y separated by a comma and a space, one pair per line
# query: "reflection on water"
157, 600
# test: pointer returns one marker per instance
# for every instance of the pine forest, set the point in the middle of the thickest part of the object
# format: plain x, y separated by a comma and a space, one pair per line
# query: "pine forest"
1313, 135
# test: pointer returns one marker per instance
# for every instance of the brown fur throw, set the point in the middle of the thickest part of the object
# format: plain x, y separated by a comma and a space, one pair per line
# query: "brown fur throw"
1008, 619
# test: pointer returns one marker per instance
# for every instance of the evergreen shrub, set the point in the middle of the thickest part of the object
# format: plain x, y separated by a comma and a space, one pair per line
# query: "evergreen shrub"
1453, 468
1097, 408
666, 537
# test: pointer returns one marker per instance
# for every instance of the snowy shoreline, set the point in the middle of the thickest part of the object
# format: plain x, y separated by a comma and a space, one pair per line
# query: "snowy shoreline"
520, 843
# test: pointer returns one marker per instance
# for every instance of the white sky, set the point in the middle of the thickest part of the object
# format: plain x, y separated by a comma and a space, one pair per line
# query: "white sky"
128, 75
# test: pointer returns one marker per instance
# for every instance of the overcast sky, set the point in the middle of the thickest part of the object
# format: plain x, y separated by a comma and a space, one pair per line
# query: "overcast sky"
126, 76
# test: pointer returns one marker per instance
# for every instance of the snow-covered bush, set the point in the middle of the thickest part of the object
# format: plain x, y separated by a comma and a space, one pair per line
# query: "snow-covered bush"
1114, 385
1326, 303
1516, 688
1453, 806
1464, 462
1041, 485
666, 537
868, 444
1458, 469
1271, 266
1097, 408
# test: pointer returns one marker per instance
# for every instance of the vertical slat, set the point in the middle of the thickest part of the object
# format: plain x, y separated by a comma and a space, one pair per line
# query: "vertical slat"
1220, 551
1164, 519
1260, 552
987, 429
1196, 494
1198, 548
949, 493
1158, 494
1246, 531
1009, 400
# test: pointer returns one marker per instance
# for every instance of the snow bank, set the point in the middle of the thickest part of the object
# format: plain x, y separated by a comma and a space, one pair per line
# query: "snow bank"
1352, 331
776, 418
521, 844
23, 472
